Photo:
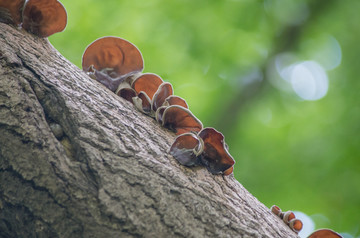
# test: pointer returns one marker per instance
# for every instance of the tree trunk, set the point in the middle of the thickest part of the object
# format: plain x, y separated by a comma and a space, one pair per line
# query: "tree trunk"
78, 161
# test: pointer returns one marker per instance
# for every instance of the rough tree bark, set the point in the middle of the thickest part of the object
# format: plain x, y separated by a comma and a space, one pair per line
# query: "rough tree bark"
78, 161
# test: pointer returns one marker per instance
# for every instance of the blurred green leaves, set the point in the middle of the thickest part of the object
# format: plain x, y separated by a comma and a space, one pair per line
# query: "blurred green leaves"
301, 155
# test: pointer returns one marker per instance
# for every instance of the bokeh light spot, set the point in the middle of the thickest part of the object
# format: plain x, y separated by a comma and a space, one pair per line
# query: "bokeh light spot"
309, 80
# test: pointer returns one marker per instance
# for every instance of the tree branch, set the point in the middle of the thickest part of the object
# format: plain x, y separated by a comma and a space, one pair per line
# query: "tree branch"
78, 161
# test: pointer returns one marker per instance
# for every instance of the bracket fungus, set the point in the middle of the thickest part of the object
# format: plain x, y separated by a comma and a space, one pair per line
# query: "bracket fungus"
164, 91
112, 60
186, 149
324, 233
159, 114
142, 102
11, 11
288, 218
148, 83
175, 100
126, 93
44, 17
215, 156
296, 225
180, 120
117, 64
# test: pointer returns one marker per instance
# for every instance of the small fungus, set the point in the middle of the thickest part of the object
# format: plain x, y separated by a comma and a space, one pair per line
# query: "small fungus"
175, 100
215, 156
148, 83
276, 210
142, 102
229, 170
112, 56
288, 216
164, 91
186, 148
324, 233
44, 17
10, 11
126, 93
159, 114
180, 120
296, 225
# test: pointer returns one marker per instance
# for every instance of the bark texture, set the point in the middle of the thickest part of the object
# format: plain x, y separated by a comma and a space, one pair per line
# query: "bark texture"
78, 161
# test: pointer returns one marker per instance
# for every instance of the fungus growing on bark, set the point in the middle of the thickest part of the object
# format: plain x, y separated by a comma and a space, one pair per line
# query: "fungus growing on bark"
148, 83
276, 210
44, 17
324, 233
10, 11
126, 93
159, 114
164, 91
175, 100
296, 225
215, 156
142, 102
180, 120
186, 149
288, 216
112, 60
169, 101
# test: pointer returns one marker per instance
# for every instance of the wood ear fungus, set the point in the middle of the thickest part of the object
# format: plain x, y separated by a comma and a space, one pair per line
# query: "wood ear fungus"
44, 17
11, 11
164, 91
114, 58
296, 225
288, 216
215, 156
180, 120
116, 63
186, 149
142, 102
126, 93
325, 233
276, 210
175, 100
148, 83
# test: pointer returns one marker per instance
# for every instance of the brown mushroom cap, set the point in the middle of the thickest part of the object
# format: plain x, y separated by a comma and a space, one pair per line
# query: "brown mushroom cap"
215, 156
296, 225
142, 102
159, 114
164, 91
10, 11
44, 17
180, 120
324, 233
175, 100
116, 55
276, 210
148, 83
229, 171
288, 216
186, 148
127, 94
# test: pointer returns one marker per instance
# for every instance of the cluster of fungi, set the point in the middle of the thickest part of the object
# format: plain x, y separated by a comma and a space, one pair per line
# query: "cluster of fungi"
118, 64
296, 224
39, 17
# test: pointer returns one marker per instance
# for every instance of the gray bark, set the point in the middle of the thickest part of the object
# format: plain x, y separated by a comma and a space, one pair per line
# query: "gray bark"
78, 161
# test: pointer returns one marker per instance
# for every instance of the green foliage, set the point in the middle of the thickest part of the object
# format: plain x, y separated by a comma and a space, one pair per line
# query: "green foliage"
299, 154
